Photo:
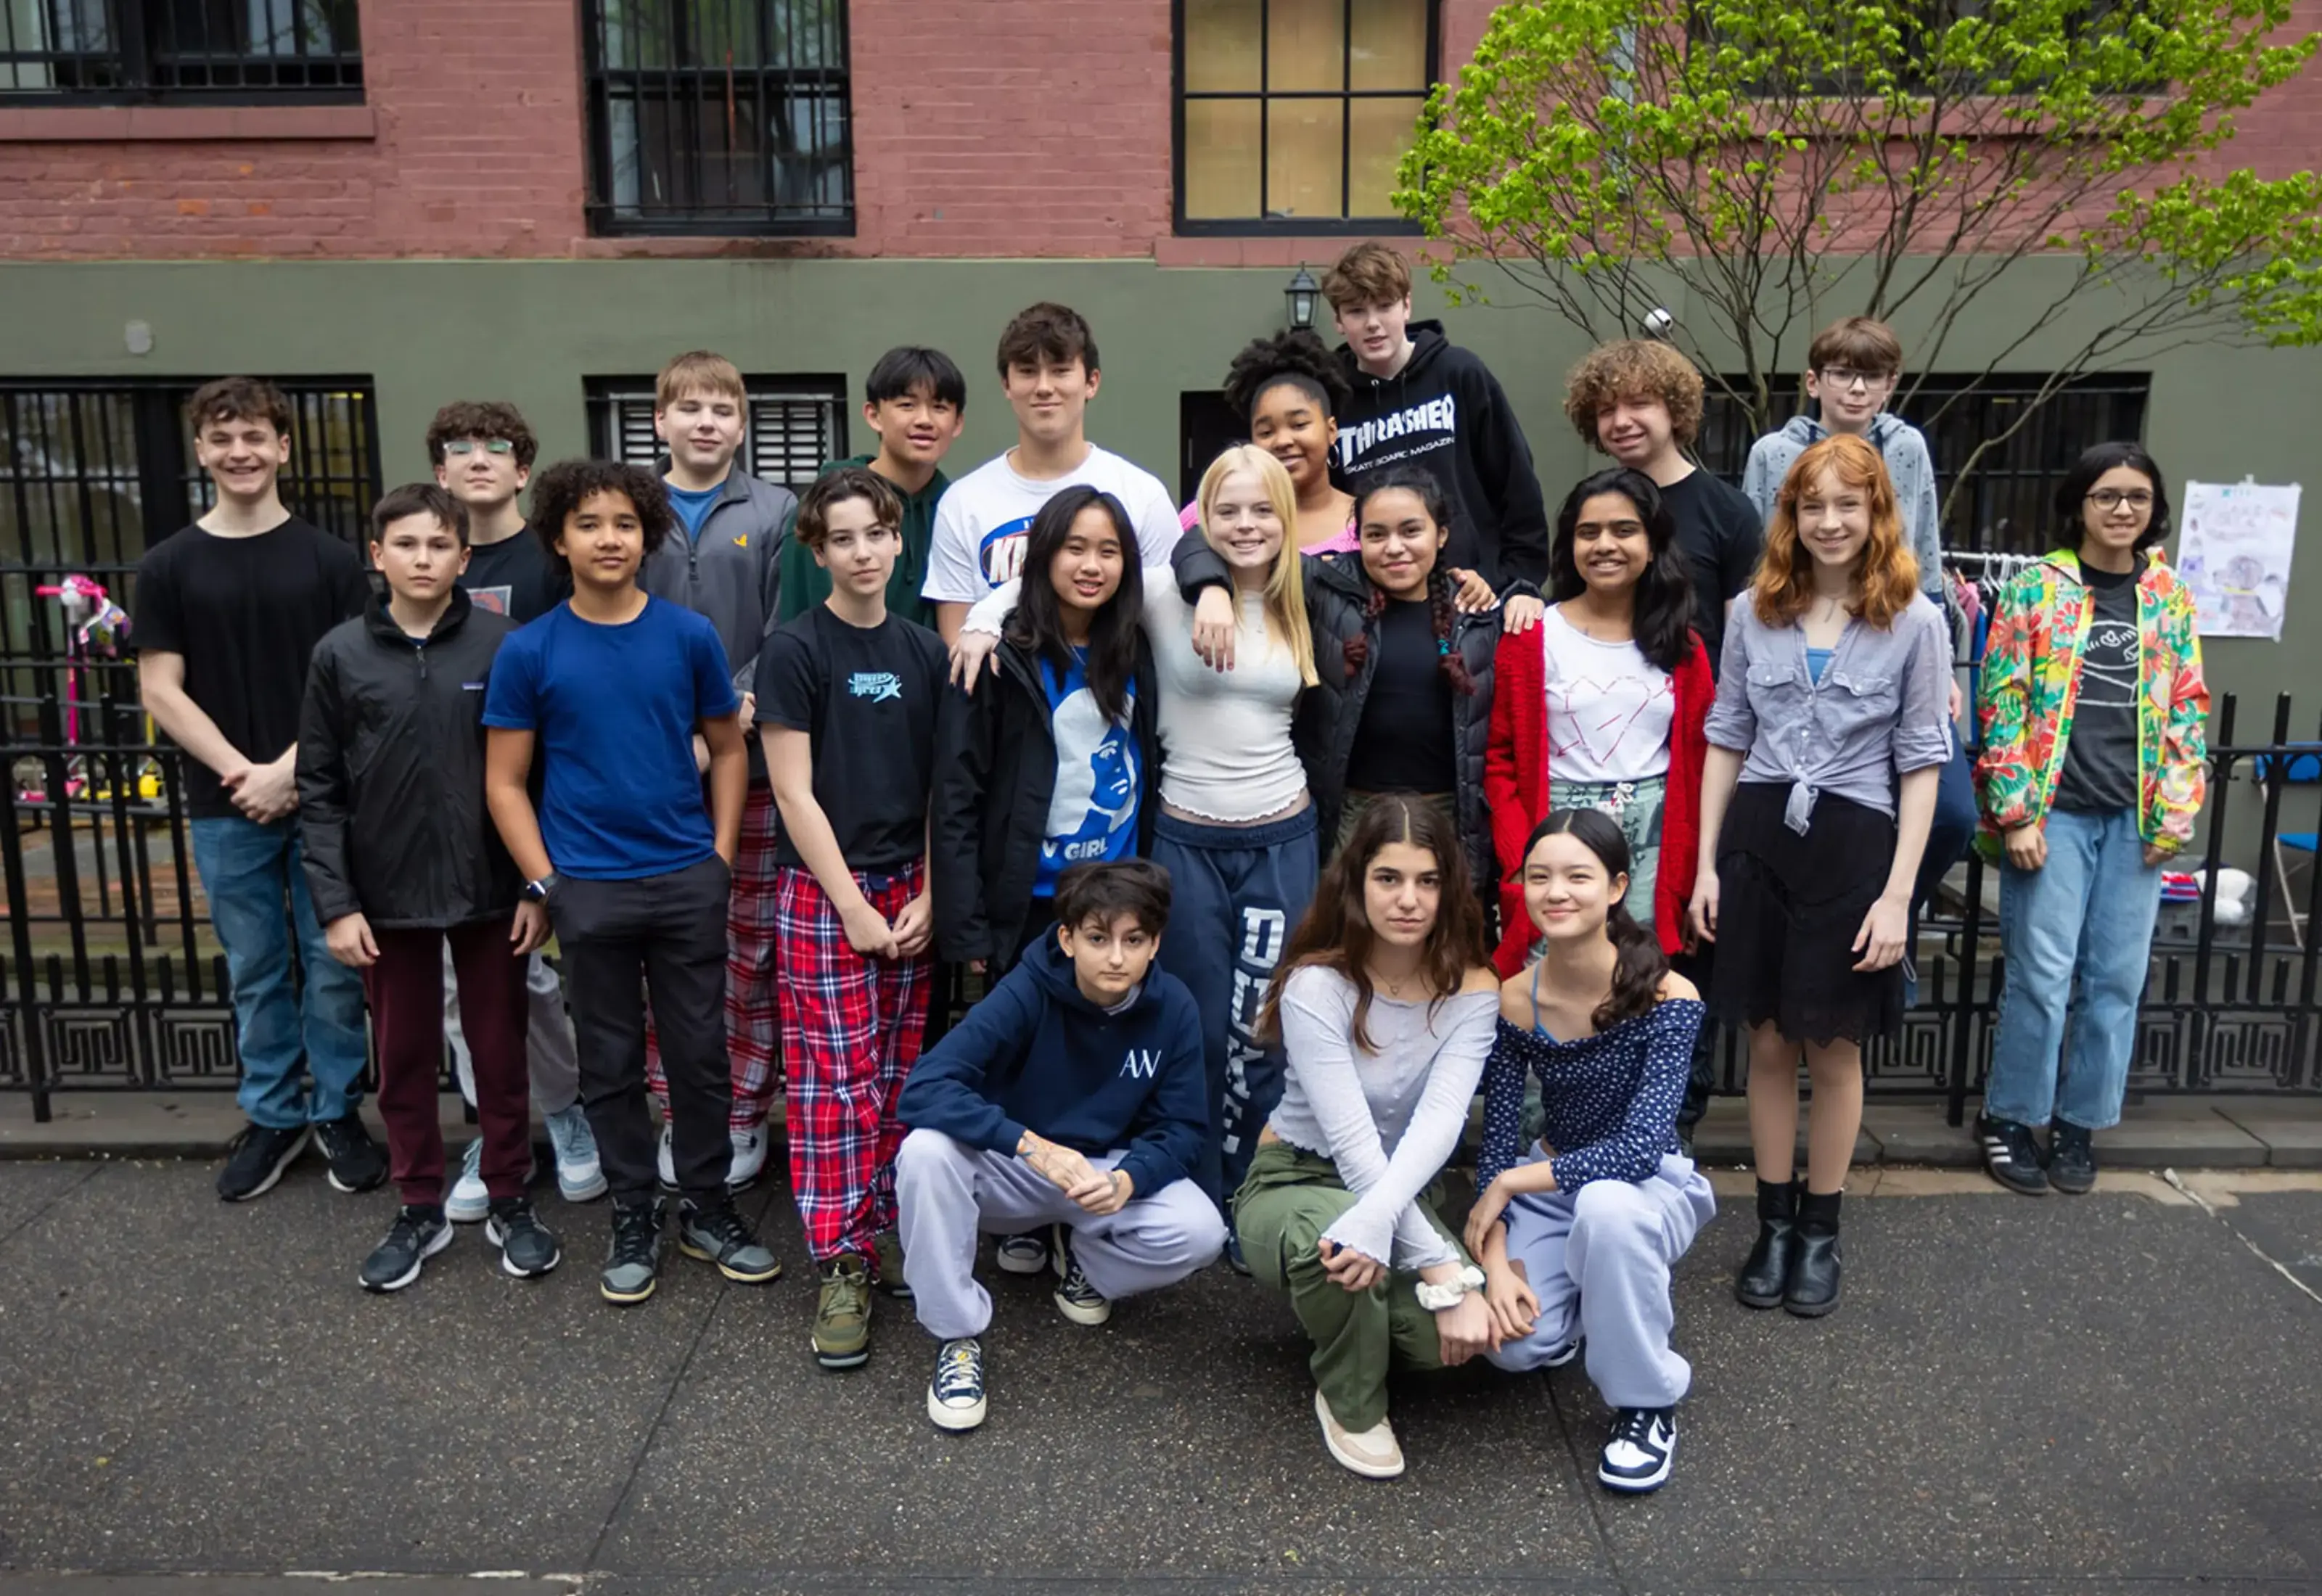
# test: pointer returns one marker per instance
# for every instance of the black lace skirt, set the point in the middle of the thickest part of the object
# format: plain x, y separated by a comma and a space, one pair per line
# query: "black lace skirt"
1788, 910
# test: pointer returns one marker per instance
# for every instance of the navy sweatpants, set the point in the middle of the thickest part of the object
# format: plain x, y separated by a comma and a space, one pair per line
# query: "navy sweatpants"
1237, 893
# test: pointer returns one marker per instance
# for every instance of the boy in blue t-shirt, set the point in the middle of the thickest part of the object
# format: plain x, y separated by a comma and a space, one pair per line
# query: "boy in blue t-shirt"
610, 687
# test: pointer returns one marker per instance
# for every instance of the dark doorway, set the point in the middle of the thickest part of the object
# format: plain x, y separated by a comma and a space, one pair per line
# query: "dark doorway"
1206, 427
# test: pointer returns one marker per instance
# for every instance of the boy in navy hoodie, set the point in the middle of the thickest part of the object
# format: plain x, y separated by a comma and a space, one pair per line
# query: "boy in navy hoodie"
1075, 1095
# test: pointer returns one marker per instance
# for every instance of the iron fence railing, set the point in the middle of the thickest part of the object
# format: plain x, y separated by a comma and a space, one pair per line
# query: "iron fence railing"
110, 980
180, 51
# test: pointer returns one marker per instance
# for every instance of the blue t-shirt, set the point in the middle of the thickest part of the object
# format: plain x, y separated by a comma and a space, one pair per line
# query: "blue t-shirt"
1818, 661
614, 709
692, 506
1093, 814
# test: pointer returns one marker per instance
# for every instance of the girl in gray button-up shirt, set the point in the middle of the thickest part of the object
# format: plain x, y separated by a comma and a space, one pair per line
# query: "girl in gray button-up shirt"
1830, 726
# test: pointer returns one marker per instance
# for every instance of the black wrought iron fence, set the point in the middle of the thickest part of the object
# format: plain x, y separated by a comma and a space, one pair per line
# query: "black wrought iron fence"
112, 982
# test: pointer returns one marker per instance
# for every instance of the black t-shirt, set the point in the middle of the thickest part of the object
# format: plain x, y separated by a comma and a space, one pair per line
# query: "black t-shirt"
246, 612
2099, 773
514, 577
1718, 529
867, 695
1403, 743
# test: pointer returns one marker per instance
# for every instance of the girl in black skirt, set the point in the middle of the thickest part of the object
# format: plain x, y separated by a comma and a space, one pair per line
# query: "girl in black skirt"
1835, 683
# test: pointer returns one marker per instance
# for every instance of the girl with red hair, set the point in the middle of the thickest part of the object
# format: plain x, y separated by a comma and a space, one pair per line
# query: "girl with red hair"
1830, 731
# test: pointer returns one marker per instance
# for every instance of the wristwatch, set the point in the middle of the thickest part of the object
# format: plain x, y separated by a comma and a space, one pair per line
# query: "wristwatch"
538, 891
1435, 1299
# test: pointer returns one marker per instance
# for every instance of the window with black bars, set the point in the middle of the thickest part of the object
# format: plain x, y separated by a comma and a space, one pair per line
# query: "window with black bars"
1293, 115
2009, 503
795, 424
180, 51
710, 117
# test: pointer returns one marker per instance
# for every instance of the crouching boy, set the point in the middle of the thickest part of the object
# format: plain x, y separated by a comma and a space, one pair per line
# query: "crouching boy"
1073, 1096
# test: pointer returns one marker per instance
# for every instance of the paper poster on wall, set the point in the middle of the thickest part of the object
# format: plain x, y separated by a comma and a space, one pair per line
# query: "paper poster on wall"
2234, 555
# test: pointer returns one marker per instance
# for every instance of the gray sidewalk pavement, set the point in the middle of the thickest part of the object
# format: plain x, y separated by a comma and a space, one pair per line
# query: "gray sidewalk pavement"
2107, 1394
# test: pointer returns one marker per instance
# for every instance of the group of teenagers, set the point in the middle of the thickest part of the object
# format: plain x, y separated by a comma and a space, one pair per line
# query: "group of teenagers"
1275, 829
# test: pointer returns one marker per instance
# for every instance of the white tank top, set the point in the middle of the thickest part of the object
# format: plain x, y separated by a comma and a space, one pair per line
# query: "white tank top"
1226, 753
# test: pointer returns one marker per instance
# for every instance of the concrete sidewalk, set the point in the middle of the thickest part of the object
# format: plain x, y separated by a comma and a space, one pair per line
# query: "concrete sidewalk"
2097, 1396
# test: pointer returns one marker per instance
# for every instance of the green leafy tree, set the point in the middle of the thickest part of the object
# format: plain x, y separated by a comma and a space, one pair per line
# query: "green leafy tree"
1772, 165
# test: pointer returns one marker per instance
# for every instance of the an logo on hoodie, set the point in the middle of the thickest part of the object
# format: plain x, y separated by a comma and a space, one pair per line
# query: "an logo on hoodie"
1419, 429
1140, 1063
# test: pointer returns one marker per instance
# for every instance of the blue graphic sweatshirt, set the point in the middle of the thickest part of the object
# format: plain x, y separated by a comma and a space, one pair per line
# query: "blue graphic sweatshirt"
1036, 1054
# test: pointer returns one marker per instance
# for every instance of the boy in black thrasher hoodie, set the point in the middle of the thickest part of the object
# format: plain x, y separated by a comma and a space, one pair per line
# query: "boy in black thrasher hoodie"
1421, 398
1075, 1095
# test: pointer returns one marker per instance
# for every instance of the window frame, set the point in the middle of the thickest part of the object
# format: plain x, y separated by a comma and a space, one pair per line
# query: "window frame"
604, 214
1261, 226
606, 395
133, 49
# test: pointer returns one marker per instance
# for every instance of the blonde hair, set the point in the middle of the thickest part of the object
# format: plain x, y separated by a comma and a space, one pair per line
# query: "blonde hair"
699, 369
1285, 585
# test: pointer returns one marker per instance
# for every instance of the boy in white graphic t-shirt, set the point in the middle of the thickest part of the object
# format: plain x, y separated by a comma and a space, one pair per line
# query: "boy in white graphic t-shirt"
1048, 369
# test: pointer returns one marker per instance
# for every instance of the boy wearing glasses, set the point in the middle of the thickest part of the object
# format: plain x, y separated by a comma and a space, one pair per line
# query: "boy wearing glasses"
483, 452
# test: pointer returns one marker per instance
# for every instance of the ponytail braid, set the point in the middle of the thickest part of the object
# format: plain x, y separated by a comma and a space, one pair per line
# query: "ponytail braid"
1638, 970
1449, 661
1358, 648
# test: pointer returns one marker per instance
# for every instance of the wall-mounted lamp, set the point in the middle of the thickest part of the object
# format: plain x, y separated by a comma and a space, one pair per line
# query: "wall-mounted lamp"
1301, 293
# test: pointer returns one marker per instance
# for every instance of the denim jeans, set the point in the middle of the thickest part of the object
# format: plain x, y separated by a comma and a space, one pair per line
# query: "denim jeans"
2089, 912
257, 897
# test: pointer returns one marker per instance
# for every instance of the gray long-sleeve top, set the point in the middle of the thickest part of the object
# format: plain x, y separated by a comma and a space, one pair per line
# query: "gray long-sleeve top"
1881, 709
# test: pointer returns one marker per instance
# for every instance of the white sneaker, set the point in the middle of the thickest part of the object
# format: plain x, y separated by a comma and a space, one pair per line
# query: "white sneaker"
1374, 1454
1636, 1458
665, 1161
749, 1157
1023, 1253
579, 1177
468, 1202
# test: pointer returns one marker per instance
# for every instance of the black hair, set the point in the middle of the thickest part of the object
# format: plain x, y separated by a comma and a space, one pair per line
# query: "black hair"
1106, 891
420, 498
482, 418
909, 368
811, 524
560, 489
1296, 358
1413, 479
2073, 493
1037, 624
1641, 966
1661, 618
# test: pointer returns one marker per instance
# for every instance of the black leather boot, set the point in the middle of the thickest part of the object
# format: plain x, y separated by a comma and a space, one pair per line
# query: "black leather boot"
1813, 1269
1765, 1273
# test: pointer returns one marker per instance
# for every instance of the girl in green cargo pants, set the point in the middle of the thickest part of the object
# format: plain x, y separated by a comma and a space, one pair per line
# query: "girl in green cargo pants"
1386, 1013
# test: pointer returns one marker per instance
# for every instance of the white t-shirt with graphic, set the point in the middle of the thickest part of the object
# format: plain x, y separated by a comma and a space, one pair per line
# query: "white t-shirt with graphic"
985, 519
1609, 708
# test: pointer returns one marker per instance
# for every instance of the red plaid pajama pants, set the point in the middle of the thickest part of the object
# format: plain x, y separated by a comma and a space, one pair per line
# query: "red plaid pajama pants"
854, 1025
749, 972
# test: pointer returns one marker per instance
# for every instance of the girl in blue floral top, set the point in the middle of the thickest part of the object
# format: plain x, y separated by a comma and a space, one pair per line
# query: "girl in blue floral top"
1577, 1234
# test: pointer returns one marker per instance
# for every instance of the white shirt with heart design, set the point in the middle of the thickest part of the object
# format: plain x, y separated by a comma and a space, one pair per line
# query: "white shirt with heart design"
1609, 708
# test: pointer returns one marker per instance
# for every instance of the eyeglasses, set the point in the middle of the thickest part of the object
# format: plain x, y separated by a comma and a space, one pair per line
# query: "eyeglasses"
2112, 499
464, 446
1844, 376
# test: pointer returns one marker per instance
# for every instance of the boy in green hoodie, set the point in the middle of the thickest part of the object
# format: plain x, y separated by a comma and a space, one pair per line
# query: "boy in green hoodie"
916, 401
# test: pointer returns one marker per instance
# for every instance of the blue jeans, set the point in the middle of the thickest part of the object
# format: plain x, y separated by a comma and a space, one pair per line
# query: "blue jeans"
1951, 829
249, 871
2087, 912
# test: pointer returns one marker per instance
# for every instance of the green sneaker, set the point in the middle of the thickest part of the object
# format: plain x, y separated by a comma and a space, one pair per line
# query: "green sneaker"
842, 1317
887, 1253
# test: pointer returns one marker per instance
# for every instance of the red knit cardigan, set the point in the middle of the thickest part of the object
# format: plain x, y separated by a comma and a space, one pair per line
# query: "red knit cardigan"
1516, 777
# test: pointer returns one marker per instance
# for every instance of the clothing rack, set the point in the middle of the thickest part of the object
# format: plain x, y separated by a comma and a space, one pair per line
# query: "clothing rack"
1975, 578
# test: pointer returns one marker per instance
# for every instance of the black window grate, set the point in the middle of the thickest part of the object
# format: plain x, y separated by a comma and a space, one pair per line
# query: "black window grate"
713, 118
2008, 504
181, 52
1290, 114
795, 424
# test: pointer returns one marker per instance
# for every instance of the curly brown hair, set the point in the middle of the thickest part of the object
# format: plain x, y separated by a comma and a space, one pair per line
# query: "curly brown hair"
564, 486
239, 398
481, 418
1634, 369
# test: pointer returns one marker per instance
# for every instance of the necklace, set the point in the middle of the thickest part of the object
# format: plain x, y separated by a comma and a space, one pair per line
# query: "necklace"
1391, 987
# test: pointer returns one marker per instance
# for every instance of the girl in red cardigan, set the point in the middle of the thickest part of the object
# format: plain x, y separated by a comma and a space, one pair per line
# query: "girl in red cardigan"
1600, 706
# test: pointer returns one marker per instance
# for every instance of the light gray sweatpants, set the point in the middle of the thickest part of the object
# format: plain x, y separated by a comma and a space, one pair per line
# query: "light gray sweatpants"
945, 1193
1599, 1262
552, 1062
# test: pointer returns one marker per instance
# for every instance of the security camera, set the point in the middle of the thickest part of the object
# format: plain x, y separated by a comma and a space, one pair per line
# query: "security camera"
1658, 322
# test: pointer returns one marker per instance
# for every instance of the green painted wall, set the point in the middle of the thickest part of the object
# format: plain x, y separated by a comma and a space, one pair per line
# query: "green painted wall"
530, 331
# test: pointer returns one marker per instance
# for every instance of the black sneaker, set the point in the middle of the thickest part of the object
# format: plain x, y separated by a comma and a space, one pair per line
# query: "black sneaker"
2010, 1155
956, 1394
718, 1235
257, 1159
416, 1236
528, 1248
356, 1162
2071, 1158
1636, 1456
634, 1257
1076, 1299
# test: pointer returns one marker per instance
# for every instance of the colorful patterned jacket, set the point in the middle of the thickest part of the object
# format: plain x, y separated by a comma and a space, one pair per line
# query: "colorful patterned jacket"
2031, 683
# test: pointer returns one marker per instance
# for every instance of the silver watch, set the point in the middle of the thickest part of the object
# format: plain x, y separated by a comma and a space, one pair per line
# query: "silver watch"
1435, 1299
